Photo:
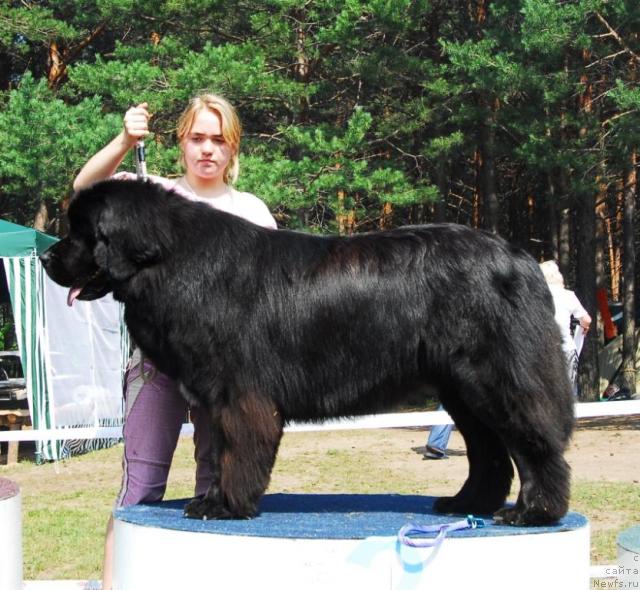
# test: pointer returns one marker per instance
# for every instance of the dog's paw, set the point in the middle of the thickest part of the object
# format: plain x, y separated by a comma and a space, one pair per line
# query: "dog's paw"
458, 505
448, 505
519, 516
510, 516
203, 509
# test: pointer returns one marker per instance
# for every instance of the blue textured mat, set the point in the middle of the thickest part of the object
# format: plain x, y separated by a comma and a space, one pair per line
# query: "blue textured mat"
328, 516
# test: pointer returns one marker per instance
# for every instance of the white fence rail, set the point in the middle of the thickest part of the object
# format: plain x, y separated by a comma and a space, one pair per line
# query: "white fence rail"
399, 420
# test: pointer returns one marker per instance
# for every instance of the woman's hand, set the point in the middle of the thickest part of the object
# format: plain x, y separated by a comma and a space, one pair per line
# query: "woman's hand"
136, 123
104, 163
585, 322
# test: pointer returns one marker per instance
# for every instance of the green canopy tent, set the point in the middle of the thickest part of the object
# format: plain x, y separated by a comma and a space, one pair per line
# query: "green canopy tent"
73, 358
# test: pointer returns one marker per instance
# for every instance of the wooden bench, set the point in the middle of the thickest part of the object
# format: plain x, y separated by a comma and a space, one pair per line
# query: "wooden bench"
15, 420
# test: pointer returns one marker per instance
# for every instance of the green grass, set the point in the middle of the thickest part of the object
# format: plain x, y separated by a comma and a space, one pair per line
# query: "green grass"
611, 507
65, 507
66, 504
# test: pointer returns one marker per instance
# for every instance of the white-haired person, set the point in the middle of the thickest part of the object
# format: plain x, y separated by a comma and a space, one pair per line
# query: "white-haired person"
208, 133
567, 306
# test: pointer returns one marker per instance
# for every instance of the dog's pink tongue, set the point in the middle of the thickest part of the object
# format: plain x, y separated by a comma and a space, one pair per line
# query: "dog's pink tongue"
72, 295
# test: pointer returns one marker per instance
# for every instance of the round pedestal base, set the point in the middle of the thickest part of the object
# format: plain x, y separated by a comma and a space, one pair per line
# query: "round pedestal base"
11, 534
628, 563
331, 542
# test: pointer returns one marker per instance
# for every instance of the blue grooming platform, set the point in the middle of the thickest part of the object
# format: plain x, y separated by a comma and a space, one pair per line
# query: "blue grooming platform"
308, 541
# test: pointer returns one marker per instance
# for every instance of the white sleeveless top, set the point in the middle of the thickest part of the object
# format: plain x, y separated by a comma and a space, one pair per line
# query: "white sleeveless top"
243, 205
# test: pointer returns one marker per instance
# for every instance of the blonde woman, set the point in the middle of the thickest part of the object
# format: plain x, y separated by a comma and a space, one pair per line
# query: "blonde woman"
567, 306
208, 133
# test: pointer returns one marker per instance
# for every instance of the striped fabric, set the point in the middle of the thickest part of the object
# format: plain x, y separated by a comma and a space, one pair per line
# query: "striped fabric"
84, 445
24, 280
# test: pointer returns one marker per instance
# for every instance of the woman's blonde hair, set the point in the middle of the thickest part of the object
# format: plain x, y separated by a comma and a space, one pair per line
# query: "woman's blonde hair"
231, 128
552, 273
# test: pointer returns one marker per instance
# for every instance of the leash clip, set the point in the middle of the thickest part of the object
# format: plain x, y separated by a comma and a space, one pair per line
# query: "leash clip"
475, 523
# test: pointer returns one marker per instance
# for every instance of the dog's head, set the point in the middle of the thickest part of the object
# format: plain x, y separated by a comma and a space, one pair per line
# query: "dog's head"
117, 228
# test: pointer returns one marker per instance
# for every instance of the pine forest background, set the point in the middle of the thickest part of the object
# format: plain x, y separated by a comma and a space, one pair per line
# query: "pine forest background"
517, 116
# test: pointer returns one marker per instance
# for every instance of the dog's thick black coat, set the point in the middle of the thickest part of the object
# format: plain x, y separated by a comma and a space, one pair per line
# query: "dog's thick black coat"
266, 326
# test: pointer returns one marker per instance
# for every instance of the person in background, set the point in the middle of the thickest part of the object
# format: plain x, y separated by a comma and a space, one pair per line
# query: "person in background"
438, 441
567, 306
208, 134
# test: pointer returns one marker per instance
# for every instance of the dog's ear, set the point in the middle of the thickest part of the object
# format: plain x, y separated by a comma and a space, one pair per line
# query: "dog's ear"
128, 239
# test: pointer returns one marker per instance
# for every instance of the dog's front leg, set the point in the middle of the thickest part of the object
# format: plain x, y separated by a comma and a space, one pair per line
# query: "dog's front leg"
247, 434
211, 505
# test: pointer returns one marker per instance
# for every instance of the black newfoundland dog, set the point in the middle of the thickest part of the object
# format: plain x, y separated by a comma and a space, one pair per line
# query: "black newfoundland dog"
266, 326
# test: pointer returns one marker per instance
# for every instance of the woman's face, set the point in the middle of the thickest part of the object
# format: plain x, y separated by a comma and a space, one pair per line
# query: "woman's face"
206, 153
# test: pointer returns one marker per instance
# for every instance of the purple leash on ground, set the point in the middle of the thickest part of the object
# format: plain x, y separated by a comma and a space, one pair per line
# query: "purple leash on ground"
470, 522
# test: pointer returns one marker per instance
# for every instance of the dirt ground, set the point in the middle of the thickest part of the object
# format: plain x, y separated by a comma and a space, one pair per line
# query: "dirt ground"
606, 449
602, 449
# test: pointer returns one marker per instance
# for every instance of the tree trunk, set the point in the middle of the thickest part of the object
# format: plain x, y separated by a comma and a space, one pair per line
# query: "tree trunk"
564, 242
607, 230
586, 285
478, 11
560, 240
564, 211
302, 67
5, 71
551, 240
346, 218
564, 227
41, 220
608, 210
587, 263
475, 197
628, 372
61, 56
440, 206
386, 216
616, 271
57, 67
487, 172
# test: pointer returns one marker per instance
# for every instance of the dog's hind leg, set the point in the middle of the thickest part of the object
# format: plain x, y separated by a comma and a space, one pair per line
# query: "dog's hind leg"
490, 468
544, 480
536, 431
532, 415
